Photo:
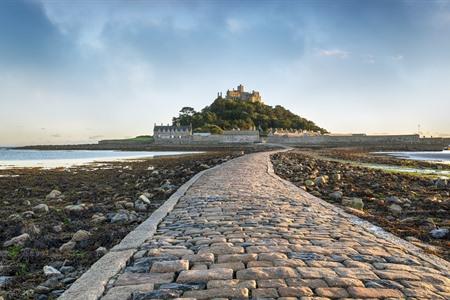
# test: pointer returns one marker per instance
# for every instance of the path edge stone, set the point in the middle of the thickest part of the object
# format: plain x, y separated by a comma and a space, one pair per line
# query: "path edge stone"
434, 260
91, 285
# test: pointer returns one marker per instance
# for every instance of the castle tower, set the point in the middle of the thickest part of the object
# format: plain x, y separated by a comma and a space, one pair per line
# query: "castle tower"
240, 88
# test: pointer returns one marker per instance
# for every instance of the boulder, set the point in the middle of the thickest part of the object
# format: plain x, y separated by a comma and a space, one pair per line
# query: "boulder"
41, 208
18, 240
353, 202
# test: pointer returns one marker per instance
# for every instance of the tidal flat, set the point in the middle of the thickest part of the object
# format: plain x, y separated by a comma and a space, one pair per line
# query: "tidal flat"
55, 223
413, 206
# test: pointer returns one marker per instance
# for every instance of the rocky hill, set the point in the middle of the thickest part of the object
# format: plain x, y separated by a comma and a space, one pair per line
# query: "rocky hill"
227, 114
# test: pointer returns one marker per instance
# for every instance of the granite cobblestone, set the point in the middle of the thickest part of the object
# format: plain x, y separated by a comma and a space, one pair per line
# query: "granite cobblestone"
240, 232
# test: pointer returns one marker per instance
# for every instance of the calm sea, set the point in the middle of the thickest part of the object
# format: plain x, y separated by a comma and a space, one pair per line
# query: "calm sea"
66, 158
433, 156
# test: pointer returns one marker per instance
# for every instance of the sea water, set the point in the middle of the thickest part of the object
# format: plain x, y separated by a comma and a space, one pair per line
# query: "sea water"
66, 158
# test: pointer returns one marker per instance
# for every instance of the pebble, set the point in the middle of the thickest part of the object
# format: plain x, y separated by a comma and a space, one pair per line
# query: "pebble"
81, 235
439, 233
395, 209
41, 208
18, 240
50, 271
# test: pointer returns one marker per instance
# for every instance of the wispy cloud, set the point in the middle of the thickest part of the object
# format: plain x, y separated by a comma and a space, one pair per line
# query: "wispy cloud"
397, 57
234, 25
338, 53
369, 59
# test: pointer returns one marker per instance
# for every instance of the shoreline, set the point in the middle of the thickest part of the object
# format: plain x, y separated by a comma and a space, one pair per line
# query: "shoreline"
68, 218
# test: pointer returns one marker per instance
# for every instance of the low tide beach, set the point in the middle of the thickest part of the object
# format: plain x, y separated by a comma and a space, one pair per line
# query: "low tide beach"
64, 219
412, 205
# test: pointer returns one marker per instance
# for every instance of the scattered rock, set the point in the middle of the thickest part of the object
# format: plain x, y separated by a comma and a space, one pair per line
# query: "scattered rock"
98, 218
54, 195
28, 214
124, 216
394, 200
81, 235
321, 180
336, 195
67, 246
5, 280
57, 228
439, 233
100, 251
142, 203
75, 208
309, 183
50, 271
353, 202
395, 209
441, 183
41, 208
18, 240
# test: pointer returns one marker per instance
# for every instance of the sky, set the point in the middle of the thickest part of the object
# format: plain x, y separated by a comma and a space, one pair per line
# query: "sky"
81, 71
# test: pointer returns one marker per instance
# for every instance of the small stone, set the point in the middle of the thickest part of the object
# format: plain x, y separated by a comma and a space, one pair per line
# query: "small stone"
18, 240
41, 208
439, 233
354, 202
98, 218
100, 251
50, 271
57, 228
309, 183
55, 194
81, 235
75, 209
395, 209
5, 280
321, 180
67, 246
393, 200
336, 195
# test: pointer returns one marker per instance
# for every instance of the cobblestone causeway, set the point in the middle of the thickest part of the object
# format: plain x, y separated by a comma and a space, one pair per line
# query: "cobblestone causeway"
242, 233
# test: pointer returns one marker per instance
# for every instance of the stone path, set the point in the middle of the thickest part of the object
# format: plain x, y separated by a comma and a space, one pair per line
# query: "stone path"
242, 233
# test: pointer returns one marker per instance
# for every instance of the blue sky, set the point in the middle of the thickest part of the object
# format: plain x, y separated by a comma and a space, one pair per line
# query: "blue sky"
79, 71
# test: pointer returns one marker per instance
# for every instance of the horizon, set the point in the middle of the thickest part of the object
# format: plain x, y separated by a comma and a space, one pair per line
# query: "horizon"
79, 72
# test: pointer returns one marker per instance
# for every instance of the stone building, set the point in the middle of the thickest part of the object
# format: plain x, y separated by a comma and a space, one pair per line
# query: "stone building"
163, 133
240, 94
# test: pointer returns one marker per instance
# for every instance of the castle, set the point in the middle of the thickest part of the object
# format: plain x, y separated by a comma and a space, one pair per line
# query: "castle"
240, 94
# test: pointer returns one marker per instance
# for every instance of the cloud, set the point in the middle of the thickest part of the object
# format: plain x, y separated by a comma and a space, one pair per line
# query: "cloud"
234, 25
397, 57
368, 59
333, 53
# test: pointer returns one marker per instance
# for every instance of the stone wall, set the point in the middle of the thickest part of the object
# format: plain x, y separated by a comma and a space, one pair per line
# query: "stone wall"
378, 141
